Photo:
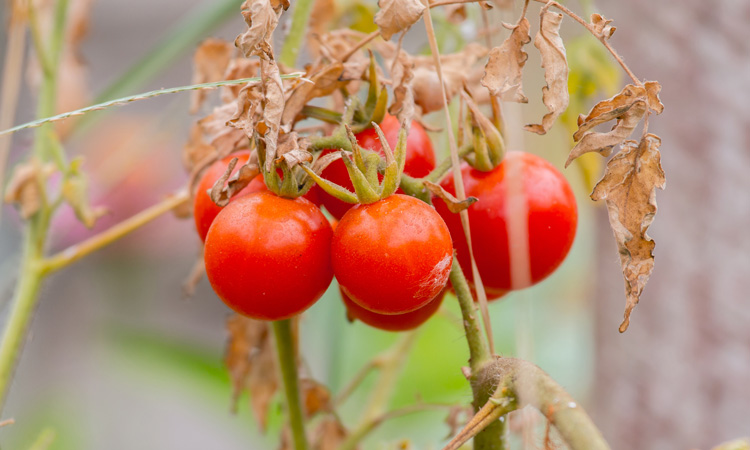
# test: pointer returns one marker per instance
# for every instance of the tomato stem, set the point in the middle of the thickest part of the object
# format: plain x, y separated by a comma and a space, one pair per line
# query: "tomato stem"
297, 30
287, 351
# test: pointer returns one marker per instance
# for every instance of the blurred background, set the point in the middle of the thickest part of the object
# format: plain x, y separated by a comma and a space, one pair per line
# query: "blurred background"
118, 358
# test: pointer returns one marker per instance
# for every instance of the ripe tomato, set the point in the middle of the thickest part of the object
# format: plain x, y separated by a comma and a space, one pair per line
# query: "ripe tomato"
552, 219
268, 257
392, 256
205, 210
393, 322
492, 294
420, 159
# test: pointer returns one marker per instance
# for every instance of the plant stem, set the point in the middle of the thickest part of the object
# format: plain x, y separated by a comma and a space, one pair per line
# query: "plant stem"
286, 348
24, 299
297, 30
78, 251
445, 165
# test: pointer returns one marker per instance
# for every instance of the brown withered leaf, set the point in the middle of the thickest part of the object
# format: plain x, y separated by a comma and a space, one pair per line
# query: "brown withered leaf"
315, 397
246, 337
194, 277
402, 75
75, 191
322, 15
24, 189
262, 17
325, 80
555, 64
329, 434
228, 185
453, 204
263, 381
196, 148
504, 70
602, 26
210, 62
629, 189
455, 13
247, 110
238, 68
628, 107
273, 108
293, 149
397, 15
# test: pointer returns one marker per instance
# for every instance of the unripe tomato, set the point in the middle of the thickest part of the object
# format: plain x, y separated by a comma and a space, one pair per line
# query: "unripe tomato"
420, 159
392, 256
268, 257
205, 210
552, 219
393, 322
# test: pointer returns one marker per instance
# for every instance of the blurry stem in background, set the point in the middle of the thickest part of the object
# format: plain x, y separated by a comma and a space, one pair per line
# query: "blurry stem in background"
390, 365
287, 350
11, 87
37, 227
78, 251
297, 31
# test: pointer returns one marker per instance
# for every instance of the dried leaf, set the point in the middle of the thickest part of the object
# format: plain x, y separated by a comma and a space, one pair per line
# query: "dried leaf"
652, 91
455, 13
602, 26
263, 381
397, 15
629, 187
238, 68
262, 17
246, 336
194, 277
315, 397
293, 150
24, 189
329, 435
228, 185
555, 64
504, 70
453, 204
403, 106
628, 107
325, 80
273, 108
210, 62
248, 111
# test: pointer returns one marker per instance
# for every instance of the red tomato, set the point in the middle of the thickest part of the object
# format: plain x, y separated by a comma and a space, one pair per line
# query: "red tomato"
492, 294
268, 257
420, 159
393, 322
552, 220
392, 256
205, 210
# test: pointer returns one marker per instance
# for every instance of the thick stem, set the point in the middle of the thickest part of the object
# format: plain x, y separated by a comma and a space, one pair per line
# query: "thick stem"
24, 302
286, 348
297, 30
445, 165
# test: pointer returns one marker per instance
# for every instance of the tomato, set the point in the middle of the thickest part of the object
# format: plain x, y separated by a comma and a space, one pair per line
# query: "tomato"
492, 294
392, 256
268, 257
552, 219
393, 322
205, 210
420, 159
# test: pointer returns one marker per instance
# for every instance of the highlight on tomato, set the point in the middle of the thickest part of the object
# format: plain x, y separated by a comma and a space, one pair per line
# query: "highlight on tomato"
552, 220
267, 257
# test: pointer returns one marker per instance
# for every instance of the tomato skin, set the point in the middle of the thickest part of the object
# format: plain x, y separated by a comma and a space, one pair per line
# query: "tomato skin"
552, 220
392, 256
205, 210
420, 158
393, 322
267, 257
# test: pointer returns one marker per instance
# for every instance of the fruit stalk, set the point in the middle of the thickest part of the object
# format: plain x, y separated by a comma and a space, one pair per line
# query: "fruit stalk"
286, 349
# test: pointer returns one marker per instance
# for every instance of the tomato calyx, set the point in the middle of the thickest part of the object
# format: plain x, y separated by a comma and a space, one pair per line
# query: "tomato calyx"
487, 141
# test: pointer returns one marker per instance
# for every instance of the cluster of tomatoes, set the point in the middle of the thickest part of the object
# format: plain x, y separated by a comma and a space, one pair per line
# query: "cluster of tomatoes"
271, 258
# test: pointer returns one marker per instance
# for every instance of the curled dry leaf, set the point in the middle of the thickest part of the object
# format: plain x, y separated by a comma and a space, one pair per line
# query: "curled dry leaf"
247, 110
555, 64
210, 62
629, 189
628, 108
402, 75
325, 80
225, 187
75, 191
293, 150
329, 434
273, 108
602, 26
453, 204
397, 15
504, 70
238, 68
262, 17
315, 397
24, 188
246, 338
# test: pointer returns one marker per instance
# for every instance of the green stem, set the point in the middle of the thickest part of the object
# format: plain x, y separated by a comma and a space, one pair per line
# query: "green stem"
445, 165
297, 30
24, 300
286, 348
482, 385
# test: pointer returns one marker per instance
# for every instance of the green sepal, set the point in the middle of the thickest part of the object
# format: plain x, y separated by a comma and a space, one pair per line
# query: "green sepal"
363, 189
329, 187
